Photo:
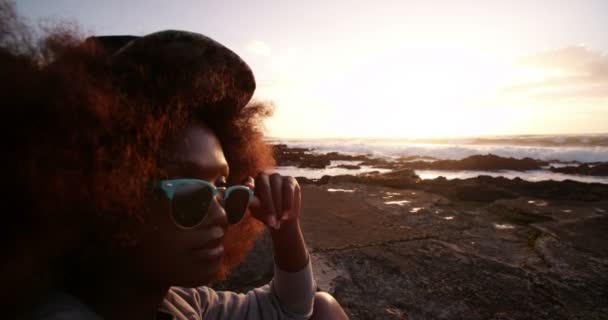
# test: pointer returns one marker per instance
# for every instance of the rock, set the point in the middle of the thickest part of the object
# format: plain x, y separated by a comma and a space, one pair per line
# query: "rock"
324, 180
403, 178
585, 169
488, 162
348, 166
343, 178
402, 173
314, 162
521, 258
460, 260
304, 158
345, 157
304, 180
487, 189
412, 158
380, 163
480, 189
483, 193
326, 272
370, 173
287, 156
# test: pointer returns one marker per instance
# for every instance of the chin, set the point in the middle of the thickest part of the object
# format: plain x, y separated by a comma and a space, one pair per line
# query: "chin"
200, 275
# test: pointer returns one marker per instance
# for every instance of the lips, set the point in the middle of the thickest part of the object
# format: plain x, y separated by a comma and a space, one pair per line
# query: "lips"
211, 251
210, 245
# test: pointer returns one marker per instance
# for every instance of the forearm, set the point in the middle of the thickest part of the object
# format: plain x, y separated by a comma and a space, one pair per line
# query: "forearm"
290, 253
293, 283
293, 280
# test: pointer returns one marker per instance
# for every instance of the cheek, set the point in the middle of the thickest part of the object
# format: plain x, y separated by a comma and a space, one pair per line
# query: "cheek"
240, 239
159, 208
157, 248
163, 254
160, 235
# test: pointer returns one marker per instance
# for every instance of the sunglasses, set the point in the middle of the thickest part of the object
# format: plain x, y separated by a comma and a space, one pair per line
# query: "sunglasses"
192, 198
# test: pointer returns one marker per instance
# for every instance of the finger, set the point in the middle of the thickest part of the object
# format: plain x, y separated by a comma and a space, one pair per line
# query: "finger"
297, 202
249, 182
289, 187
290, 213
264, 192
255, 203
276, 184
294, 211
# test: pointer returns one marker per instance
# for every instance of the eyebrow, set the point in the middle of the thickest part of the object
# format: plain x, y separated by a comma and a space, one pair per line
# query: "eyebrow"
195, 167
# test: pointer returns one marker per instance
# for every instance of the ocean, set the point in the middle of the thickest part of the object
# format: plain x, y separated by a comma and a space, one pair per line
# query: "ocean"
559, 150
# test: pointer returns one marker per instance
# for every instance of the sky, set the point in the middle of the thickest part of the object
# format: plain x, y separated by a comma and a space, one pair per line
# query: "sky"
393, 68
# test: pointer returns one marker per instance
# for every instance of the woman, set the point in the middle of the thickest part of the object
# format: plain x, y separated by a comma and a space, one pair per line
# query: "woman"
138, 169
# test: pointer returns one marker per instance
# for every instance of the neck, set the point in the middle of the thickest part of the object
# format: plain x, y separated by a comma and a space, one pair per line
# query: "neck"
116, 294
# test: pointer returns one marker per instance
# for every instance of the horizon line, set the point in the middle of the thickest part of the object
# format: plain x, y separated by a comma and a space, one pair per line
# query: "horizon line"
447, 137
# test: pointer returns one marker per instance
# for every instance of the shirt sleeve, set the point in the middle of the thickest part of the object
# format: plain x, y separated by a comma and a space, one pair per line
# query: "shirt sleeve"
289, 295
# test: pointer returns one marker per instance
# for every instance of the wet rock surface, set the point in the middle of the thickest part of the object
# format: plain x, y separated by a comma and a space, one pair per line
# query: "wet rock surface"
402, 253
407, 254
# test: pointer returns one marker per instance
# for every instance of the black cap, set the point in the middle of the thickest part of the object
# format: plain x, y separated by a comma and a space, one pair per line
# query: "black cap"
173, 62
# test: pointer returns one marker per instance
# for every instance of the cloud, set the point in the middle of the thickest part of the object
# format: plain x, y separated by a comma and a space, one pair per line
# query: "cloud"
572, 60
259, 47
574, 72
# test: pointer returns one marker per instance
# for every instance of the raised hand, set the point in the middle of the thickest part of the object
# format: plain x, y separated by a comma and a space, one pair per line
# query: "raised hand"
277, 199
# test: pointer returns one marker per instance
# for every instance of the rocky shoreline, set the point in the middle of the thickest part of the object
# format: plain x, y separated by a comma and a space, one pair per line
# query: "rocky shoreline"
394, 246
306, 158
480, 189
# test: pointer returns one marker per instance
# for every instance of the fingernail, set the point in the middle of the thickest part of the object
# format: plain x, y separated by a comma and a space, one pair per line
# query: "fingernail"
285, 217
278, 225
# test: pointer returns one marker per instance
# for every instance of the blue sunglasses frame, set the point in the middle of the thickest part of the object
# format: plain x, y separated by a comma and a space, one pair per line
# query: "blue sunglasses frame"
169, 186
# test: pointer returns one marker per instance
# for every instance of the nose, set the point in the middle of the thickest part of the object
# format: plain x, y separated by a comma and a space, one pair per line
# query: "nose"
217, 214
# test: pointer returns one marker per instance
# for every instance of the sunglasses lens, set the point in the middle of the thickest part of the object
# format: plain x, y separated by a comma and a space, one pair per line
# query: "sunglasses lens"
190, 204
236, 205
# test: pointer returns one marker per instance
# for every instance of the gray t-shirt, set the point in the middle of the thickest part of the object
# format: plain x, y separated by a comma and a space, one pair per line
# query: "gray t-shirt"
289, 295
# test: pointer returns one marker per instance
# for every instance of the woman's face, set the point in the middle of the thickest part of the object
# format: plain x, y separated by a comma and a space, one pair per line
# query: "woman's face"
168, 254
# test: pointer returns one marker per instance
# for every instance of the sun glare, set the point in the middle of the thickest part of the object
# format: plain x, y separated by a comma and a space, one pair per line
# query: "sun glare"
430, 93
380, 89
